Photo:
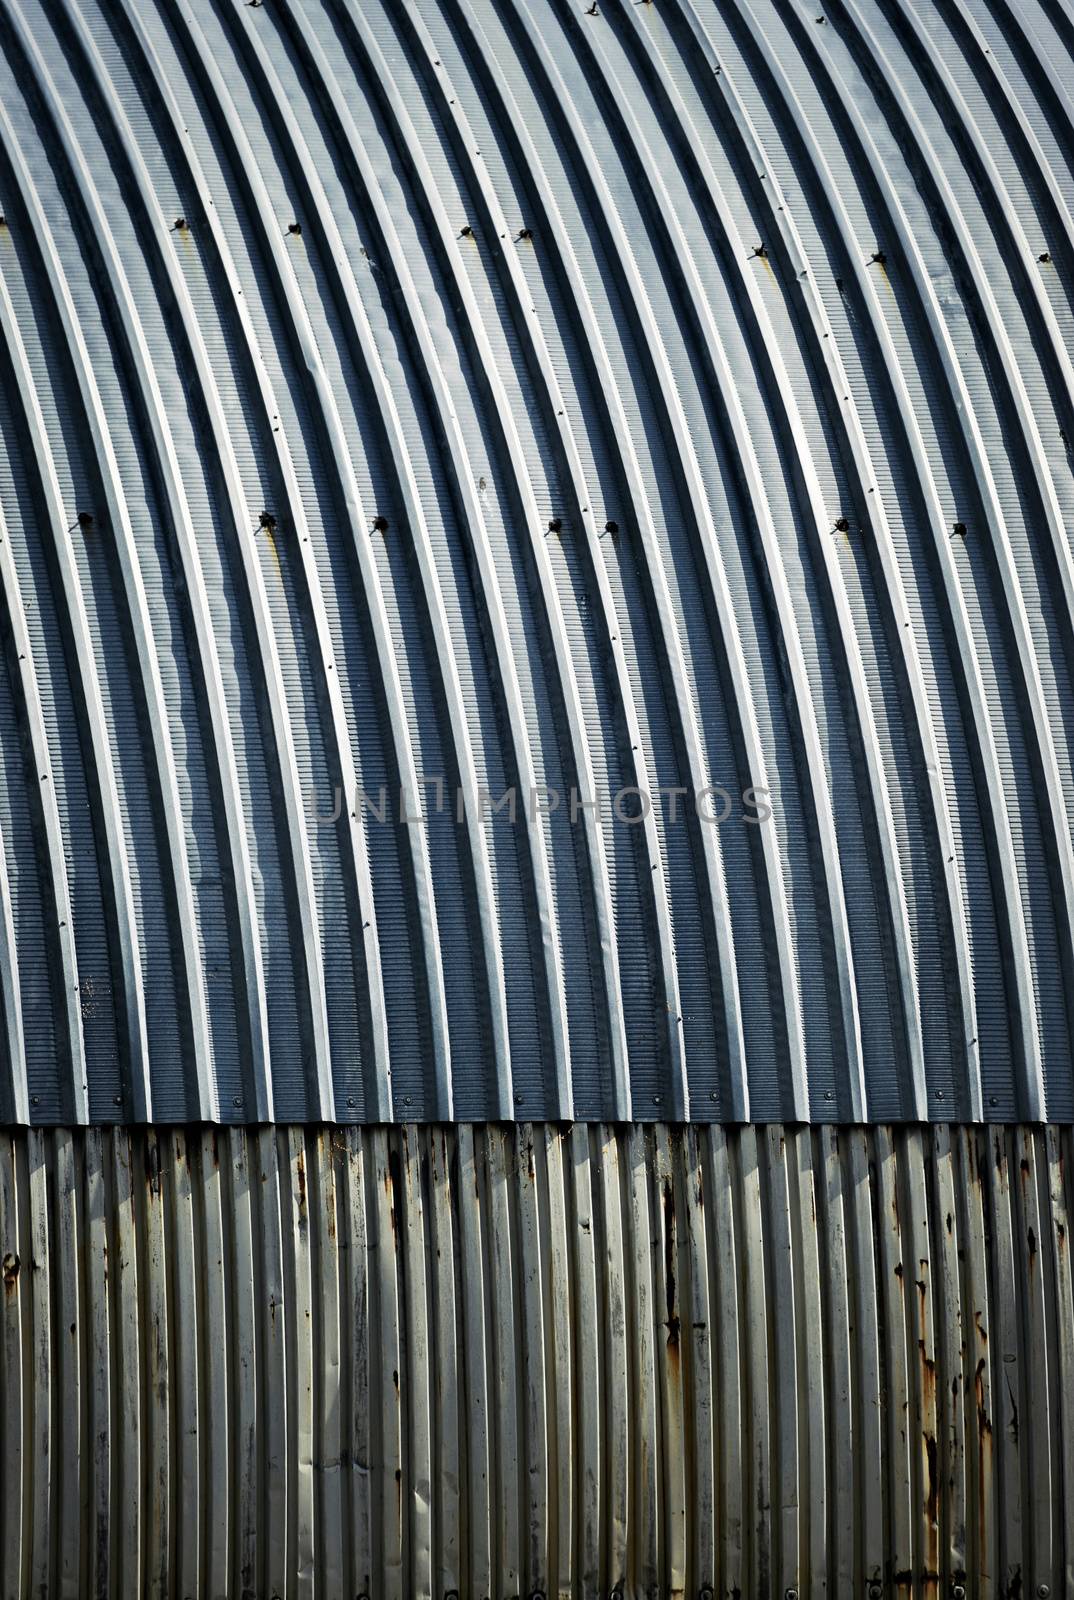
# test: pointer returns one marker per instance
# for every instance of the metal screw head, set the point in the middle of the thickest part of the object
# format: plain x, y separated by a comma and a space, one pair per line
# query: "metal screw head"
876, 1591
1043, 1590
790, 1594
958, 1591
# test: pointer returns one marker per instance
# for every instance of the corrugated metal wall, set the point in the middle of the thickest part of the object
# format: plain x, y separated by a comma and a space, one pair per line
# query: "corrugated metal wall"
530, 395
526, 1361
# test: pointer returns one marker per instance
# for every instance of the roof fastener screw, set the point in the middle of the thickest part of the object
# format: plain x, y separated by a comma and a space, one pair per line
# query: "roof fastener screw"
466, 232
792, 1594
611, 527
380, 524
759, 250
656, 1099
518, 1099
525, 233
294, 227
350, 1100
267, 521
958, 530
179, 224
841, 525
1044, 256
406, 1099
85, 520
958, 1592
828, 1094
993, 1099
879, 258
237, 1101
876, 1591
117, 1099
1043, 1590
556, 525
35, 1100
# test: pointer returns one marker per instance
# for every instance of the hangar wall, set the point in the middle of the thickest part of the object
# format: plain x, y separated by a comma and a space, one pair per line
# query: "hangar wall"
526, 1360
644, 403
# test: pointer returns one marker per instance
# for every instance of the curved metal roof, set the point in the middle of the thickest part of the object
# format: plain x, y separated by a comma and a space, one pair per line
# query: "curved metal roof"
595, 427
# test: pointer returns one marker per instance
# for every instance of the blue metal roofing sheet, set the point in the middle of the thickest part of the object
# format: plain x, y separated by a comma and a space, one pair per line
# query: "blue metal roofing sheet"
632, 443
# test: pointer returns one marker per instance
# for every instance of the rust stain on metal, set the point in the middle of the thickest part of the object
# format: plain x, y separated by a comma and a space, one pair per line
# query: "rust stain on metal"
153, 1169
670, 1287
377, 1364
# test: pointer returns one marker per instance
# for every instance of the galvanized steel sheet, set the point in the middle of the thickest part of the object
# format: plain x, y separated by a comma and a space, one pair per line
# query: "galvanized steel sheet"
535, 560
526, 1360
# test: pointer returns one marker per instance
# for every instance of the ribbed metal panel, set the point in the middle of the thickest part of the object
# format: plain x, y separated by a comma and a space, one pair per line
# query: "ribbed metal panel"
522, 1360
403, 403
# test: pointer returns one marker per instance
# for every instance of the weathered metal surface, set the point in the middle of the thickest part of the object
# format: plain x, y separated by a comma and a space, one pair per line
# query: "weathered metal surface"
523, 1360
405, 402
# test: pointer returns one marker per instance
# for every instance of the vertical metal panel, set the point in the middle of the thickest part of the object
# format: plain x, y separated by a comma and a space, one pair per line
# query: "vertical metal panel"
673, 1362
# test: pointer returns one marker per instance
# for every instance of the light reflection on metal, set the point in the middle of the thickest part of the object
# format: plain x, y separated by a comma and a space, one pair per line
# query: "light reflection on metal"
518, 1359
534, 401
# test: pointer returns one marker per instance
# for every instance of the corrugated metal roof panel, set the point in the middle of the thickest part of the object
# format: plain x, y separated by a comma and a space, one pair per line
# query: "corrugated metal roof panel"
590, 427
502, 1361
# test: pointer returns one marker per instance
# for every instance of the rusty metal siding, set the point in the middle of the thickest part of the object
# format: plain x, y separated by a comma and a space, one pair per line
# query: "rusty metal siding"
525, 395
528, 1360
